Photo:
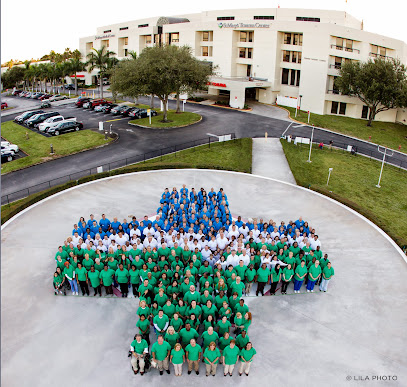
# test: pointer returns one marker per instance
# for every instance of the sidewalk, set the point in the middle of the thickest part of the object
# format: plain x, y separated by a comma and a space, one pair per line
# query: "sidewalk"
266, 110
269, 160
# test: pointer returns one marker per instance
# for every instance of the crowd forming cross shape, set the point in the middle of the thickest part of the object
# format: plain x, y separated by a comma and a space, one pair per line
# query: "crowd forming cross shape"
192, 242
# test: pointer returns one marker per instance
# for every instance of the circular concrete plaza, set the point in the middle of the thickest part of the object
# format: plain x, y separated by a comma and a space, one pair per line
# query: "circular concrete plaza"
355, 330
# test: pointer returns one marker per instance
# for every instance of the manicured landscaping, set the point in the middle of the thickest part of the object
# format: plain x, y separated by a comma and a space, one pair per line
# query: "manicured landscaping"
353, 182
387, 134
233, 155
174, 120
37, 147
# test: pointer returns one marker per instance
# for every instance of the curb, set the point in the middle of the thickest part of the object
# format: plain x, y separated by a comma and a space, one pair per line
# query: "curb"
224, 107
331, 131
62, 156
168, 127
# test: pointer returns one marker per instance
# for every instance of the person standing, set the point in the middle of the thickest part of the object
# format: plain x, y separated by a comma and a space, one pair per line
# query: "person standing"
161, 353
211, 358
143, 324
287, 276
300, 273
177, 359
138, 348
93, 276
327, 274
106, 279
193, 352
69, 273
122, 277
246, 358
275, 279
161, 322
82, 278
262, 277
314, 273
230, 355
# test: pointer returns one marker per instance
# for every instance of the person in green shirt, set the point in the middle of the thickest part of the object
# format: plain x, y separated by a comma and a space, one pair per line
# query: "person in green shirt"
246, 358
241, 307
169, 309
106, 277
134, 279
208, 309
146, 290
138, 348
161, 298
143, 309
98, 265
182, 309
300, 273
314, 273
193, 352
223, 343
242, 339
69, 273
87, 262
171, 336
161, 352
187, 334
209, 336
161, 322
249, 275
177, 358
230, 355
58, 282
220, 298
82, 278
143, 324
238, 286
192, 295
122, 277
275, 278
223, 326
288, 274
262, 277
327, 274
209, 322
211, 357
205, 297
176, 322
61, 253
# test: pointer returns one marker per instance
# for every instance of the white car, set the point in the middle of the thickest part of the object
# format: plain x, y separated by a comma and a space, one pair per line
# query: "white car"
12, 147
58, 97
53, 121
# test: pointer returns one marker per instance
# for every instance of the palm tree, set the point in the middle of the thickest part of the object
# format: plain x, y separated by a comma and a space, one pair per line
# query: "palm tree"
43, 74
76, 65
67, 54
132, 54
76, 54
100, 59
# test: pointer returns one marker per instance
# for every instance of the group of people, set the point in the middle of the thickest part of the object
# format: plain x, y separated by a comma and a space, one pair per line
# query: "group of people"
190, 267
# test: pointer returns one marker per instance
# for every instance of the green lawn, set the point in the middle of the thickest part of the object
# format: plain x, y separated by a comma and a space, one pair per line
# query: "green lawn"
233, 155
353, 182
38, 147
175, 119
388, 134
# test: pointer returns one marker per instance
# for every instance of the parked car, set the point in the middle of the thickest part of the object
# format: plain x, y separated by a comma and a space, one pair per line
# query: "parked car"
28, 94
134, 112
64, 127
81, 100
26, 115
12, 147
38, 118
100, 107
53, 121
58, 97
142, 113
109, 107
118, 109
45, 96
39, 95
6, 156
87, 105
22, 94
16, 92
127, 111
69, 87
4, 105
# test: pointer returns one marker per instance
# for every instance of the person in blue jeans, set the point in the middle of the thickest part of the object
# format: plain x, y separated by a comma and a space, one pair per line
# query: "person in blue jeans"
314, 273
69, 273
300, 273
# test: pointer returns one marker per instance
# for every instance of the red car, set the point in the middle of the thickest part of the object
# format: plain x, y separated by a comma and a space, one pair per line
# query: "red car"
97, 102
45, 96
4, 105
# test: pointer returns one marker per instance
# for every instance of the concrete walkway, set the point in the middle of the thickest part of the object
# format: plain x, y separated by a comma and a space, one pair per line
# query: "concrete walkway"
268, 160
355, 329
266, 110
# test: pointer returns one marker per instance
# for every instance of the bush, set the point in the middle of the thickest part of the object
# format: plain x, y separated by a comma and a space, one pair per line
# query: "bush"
222, 103
196, 99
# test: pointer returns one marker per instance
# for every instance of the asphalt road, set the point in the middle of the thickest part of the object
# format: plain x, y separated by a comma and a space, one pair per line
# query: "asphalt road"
135, 143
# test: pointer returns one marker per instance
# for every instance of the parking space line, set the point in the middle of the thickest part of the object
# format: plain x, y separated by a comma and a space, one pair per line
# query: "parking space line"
117, 119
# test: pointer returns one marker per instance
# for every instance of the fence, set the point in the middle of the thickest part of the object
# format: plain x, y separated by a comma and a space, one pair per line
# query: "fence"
11, 197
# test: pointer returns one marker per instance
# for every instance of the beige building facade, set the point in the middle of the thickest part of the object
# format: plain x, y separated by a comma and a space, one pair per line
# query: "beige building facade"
263, 54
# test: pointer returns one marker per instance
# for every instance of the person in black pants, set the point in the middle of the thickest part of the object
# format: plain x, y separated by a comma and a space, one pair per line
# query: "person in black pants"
82, 278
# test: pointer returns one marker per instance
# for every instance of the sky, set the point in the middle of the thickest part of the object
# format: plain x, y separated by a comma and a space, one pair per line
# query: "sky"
31, 29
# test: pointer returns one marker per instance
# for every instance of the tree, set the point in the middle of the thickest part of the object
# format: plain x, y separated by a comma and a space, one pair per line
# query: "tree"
76, 65
381, 84
13, 77
132, 54
100, 59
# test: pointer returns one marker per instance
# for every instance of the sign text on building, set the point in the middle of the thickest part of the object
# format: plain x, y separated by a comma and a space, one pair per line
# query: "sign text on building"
106, 36
216, 84
243, 25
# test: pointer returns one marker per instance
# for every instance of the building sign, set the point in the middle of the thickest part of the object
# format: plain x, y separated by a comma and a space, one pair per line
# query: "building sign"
243, 25
106, 36
216, 84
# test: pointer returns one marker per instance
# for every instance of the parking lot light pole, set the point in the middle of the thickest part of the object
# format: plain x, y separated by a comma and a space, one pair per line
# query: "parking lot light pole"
310, 145
384, 157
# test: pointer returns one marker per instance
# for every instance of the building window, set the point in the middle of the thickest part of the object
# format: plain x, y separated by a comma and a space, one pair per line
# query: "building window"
123, 28
287, 38
205, 51
294, 57
175, 37
142, 25
125, 41
242, 53
309, 19
249, 70
250, 53
284, 77
292, 78
342, 108
291, 38
125, 52
105, 43
298, 78
105, 32
334, 107
338, 62
225, 18
148, 39
365, 111
286, 56
243, 35
263, 17
205, 36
